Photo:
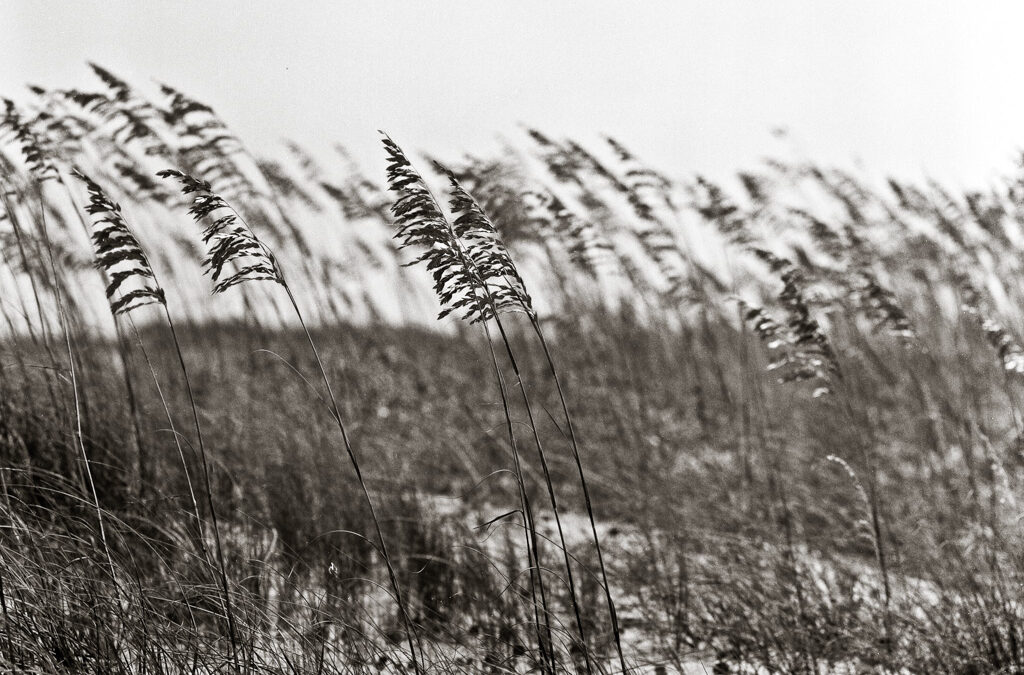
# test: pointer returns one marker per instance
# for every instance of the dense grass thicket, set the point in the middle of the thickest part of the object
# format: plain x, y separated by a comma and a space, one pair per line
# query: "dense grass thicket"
662, 425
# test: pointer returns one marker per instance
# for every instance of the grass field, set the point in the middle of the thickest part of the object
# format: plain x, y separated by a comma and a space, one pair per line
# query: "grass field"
663, 425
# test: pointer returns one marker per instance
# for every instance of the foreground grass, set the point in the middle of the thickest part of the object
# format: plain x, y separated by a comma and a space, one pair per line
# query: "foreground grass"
735, 513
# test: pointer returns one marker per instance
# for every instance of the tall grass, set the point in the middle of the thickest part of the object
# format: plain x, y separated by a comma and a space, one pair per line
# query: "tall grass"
775, 423
124, 263
237, 255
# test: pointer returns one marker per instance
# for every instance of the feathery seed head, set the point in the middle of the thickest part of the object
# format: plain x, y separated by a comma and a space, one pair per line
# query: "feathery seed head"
489, 254
234, 253
37, 156
472, 271
131, 281
800, 350
420, 223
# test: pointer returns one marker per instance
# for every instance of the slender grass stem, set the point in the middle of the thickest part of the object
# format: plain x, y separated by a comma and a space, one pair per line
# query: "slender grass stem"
549, 484
586, 492
74, 389
411, 635
544, 641
221, 565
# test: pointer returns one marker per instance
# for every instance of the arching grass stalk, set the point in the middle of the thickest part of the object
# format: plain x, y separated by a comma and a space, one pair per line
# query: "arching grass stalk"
208, 485
336, 413
201, 535
586, 491
236, 256
474, 274
122, 351
802, 352
58, 297
504, 277
552, 497
133, 284
544, 641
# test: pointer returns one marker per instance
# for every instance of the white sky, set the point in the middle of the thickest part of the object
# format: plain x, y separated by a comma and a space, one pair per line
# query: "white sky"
904, 87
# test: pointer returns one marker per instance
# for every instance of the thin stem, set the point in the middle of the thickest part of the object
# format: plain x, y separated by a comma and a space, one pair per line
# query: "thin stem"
209, 492
570, 582
411, 635
466, 261
19, 237
74, 388
122, 351
532, 544
177, 442
336, 413
586, 492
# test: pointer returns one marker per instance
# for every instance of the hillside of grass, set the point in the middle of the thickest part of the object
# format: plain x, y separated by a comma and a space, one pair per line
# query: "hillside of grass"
661, 425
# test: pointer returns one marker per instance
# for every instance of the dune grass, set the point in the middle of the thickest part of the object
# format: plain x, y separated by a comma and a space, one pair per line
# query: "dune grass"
661, 425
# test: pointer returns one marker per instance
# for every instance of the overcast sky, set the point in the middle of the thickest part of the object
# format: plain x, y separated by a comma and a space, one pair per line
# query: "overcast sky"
903, 87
